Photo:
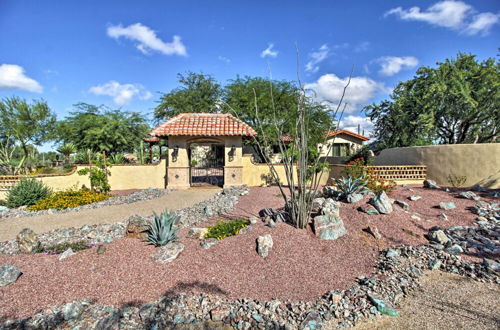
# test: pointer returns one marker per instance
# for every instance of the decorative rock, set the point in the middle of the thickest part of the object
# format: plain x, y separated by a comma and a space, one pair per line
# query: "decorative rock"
137, 227
403, 205
169, 252
245, 230
329, 228
271, 224
353, 198
455, 249
368, 209
208, 243
265, 213
443, 217
317, 204
66, 254
478, 188
431, 184
414, 197
491, 265
382, 306
258, 318
382, 203
209, 211
392, 253
311, 322
9, 274
198, 233
416, 217
434, 264
330, 191
253, 220
3, 208
217, 314
438, 236
73, 310
447, 206
101, 249
27, 241
373, 230
264, 245
331, 208
469, 195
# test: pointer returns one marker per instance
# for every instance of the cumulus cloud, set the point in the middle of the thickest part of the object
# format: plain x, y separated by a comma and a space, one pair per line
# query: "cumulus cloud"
12, 76
351, 123
456, 15
147, 40
390, 65
269, 52
328, 88
122, 94
317, 57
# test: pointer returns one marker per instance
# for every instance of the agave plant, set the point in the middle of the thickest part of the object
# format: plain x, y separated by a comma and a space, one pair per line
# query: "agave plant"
350, 185
162, 229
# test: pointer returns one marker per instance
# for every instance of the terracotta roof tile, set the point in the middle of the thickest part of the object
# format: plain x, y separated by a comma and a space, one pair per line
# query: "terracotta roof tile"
343, 131
203, 124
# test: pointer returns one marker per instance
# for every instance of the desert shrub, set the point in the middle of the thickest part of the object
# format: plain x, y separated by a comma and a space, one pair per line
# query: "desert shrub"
98, 178
357, 170
3, 202
225, 228
162, 229
456, 180
68, 199
364, 154
60, 248
27, 191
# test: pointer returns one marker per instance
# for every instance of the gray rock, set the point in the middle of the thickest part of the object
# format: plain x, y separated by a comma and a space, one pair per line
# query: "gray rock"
253, 220
455, 249
137, 227
208, 243
198, 233
431, 184
258, 318
245, 230
9, 274
271, 224
403, 205
73, 310
169, 252
434, 264
447, 206
443, 217
264, 245
311, 322
392, 253
368, 209
373, 230
27, 241
478, 188
491, 265
330, 191
438, 236
414, 197
101, 249
66, 254
331, 208
317, 204
416, 217
329, 228
353, 198
469, 195
382, 203
209, 211
3, 208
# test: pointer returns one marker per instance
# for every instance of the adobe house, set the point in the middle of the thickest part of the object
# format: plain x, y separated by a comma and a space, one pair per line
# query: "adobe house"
204, 149
341, 143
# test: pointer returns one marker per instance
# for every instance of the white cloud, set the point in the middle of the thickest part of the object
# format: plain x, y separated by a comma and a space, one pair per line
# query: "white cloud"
482, 23
328, 88
317, 57
455, 15
390, 65
12, 77
351, 123
269, 51
147, 39
122, 94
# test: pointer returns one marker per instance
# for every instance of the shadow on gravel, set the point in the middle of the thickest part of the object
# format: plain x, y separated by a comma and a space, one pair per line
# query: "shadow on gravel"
186, 287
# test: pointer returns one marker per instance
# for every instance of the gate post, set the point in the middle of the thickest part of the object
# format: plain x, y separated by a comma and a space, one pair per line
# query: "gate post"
233, 162
178, 163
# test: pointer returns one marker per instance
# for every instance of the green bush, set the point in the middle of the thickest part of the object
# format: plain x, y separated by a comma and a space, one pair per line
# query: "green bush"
225, 228
28, 191
3, 202
60, 248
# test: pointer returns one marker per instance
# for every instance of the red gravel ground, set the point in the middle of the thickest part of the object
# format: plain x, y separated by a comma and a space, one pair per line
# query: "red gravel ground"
300, 266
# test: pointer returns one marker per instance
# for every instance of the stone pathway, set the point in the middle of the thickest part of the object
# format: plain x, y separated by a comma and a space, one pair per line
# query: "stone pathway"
446, 301
174, 200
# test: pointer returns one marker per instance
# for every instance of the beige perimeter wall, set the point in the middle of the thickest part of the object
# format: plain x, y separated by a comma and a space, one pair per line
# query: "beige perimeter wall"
480, 163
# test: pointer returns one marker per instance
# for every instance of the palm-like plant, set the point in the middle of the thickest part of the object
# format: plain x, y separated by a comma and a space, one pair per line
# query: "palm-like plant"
67, 149
162, 229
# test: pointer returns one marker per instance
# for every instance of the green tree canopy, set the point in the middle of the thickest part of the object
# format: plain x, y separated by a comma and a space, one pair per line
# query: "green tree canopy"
25, 124
98, 129
198, 93
456, 102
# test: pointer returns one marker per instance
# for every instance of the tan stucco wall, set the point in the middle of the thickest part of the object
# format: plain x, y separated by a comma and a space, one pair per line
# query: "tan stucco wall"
480, 163
253, 173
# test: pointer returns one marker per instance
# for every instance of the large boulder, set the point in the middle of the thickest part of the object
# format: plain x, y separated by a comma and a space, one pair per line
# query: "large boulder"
438, 236
317, 204
431, 184
469, 195
9, 274
329, 228
353, 198
137, 227
169, 252
27, 241
331, 208
382, 203
264, 245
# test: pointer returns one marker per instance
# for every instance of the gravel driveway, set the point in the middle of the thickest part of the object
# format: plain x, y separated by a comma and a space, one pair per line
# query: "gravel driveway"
10, 227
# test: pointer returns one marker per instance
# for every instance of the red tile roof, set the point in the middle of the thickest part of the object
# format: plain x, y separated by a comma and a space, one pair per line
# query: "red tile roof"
151, 139
203, 124
343, 131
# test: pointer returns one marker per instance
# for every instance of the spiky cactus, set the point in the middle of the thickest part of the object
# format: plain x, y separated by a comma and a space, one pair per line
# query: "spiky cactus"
163, 229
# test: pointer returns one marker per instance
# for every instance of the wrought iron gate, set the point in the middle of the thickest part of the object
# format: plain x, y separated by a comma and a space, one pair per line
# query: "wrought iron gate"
209, 171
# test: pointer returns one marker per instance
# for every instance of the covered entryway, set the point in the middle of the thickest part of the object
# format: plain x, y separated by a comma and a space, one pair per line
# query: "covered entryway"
204, 149
206, 164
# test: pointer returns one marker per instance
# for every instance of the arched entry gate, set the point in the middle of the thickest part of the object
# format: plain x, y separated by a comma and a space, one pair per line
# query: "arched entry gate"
206, 164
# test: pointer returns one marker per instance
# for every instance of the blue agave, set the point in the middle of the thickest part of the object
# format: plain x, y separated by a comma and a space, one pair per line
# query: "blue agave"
162, 229
350, 185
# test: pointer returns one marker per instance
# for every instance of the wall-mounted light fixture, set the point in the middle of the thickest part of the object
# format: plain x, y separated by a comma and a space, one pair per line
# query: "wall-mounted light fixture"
175, 153
232, 152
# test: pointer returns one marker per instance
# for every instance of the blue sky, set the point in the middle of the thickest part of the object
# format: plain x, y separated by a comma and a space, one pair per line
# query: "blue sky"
123, 54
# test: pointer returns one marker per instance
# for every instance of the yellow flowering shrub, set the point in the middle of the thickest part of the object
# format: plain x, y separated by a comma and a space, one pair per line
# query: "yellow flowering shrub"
68, 199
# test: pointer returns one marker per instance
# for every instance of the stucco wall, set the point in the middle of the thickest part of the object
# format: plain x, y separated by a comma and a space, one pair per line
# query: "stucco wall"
480, 163
253, 174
